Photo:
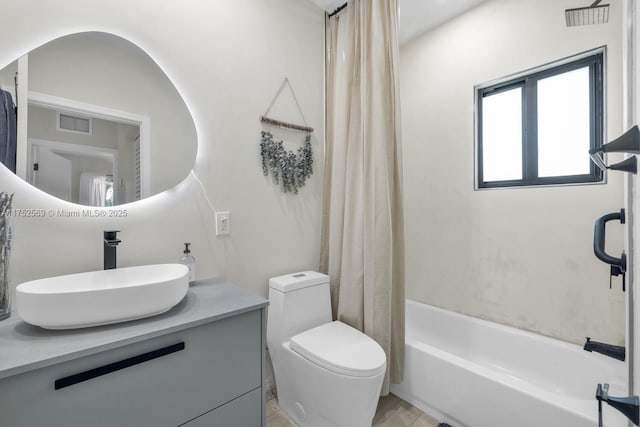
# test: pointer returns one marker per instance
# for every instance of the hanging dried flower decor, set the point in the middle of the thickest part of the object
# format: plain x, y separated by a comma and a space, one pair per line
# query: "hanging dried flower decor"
5, 249
287, 167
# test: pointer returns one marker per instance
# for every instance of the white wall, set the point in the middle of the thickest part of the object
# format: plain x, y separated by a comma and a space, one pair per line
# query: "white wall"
42, 125
227, 58
523, 256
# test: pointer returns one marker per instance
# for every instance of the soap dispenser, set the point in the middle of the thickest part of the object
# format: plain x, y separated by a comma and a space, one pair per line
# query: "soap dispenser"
190, 262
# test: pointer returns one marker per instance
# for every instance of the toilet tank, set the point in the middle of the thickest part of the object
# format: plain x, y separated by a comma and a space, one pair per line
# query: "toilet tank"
297, 302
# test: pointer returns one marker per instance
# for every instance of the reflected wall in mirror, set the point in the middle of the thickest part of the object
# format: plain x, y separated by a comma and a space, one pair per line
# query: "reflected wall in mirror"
103, 124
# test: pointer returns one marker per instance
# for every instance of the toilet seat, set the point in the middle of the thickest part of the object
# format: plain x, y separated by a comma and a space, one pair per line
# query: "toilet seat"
340, 349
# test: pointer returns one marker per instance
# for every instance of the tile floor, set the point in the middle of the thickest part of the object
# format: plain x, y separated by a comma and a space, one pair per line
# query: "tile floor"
392, 412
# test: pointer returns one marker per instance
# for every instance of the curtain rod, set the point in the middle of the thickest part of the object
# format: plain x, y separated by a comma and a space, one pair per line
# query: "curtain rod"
338, 10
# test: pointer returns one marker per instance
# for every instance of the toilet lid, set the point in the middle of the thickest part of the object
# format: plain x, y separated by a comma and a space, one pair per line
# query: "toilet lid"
341, 349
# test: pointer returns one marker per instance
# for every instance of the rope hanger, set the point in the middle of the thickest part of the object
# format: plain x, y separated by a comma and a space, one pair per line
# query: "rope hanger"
268, 120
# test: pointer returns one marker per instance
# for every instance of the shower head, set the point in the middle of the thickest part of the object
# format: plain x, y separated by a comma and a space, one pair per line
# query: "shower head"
594, 14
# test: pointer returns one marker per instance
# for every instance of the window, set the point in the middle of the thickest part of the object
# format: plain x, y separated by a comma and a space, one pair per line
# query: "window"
537, 128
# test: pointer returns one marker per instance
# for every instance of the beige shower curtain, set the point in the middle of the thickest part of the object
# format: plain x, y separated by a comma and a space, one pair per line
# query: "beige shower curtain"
363, 231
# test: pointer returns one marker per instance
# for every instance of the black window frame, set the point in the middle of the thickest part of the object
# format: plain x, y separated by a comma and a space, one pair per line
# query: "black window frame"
595, 60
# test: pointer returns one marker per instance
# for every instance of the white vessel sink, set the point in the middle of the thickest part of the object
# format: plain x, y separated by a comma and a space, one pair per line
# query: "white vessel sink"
102, 297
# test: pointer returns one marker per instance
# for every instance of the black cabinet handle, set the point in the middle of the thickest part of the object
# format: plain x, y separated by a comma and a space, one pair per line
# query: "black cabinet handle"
116, 366
599, 234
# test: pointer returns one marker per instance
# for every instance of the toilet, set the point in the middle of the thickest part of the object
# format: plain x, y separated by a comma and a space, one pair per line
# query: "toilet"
327, 373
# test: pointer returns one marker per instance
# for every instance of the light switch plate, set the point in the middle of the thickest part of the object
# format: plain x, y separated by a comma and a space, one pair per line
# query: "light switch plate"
223, 223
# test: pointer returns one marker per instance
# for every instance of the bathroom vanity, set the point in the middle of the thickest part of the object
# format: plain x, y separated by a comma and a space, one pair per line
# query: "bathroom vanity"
200, 364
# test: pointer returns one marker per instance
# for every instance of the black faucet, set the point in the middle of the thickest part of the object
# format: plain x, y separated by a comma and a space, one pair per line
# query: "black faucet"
629, 406
111, 241
615, 351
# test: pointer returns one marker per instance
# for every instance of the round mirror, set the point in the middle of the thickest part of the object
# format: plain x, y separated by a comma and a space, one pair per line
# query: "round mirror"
98, 122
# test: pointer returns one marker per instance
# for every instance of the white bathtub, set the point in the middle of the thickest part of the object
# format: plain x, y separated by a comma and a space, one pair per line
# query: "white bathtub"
475, 373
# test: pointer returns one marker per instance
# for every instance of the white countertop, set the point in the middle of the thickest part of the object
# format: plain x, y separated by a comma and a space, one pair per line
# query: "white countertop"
24, 347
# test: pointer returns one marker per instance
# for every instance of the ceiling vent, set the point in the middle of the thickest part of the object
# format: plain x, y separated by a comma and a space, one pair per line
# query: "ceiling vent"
70, 123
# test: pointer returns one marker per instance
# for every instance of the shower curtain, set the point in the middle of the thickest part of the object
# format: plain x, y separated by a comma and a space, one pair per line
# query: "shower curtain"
8, 131
362, 246
93, 189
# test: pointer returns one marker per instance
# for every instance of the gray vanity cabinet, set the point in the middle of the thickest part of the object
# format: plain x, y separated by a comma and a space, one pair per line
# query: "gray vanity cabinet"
241, 412
208, 375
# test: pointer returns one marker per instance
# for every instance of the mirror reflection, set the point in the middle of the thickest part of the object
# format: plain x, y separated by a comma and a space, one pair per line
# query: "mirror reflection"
98, 122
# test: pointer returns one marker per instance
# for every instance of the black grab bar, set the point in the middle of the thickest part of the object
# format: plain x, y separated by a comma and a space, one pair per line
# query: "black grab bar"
618, 265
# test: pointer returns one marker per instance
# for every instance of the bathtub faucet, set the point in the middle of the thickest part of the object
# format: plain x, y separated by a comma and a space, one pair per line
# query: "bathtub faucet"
615, 351
629, 406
